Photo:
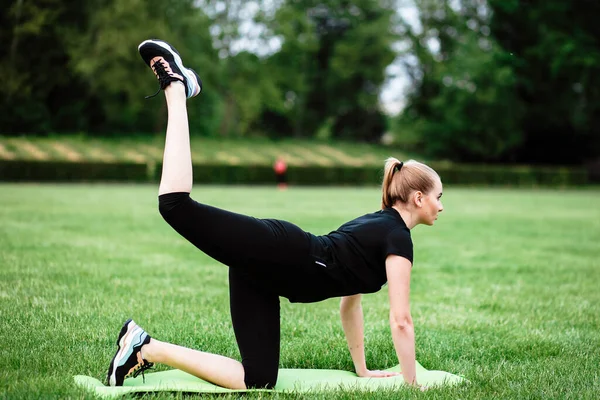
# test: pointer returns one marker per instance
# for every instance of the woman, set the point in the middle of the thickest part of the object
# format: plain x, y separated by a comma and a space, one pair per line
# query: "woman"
271, 258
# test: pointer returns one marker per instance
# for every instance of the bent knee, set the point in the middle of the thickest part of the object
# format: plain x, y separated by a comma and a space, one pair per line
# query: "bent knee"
260, 379
169, 201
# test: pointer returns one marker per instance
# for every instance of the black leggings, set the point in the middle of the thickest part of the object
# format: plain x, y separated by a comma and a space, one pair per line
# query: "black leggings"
264, 256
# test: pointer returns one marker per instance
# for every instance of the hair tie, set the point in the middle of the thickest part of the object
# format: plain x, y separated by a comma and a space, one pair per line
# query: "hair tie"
398, 167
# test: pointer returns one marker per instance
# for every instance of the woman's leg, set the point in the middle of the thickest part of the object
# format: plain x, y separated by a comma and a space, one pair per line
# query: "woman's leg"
255, 317
228, 237
234, 239
177, 159
137, 351
217, 232
220, 370
177, 177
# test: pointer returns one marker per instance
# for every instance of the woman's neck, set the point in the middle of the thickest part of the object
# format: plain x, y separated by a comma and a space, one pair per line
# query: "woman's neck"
409, 219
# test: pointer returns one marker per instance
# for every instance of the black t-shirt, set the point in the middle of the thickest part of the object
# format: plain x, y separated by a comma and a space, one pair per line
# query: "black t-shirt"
357, 250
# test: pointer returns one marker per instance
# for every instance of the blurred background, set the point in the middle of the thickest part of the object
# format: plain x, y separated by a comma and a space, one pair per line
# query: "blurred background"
322, 84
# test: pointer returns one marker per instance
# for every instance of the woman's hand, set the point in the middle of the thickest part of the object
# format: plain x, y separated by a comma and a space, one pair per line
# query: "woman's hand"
377, 374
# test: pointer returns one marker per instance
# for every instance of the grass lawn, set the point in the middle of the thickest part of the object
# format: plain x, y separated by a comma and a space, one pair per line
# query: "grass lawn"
149, 148
505, 288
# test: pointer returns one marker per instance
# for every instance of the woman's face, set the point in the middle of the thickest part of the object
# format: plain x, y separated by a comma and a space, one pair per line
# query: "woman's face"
431, 205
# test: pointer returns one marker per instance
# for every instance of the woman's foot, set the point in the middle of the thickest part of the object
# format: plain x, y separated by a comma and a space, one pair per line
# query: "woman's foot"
166, 63
128, 358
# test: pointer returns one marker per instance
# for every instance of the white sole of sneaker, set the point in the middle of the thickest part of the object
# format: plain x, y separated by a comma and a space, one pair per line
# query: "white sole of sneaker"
189, 76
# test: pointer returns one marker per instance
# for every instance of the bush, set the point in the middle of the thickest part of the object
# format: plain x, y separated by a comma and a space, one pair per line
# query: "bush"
511, 175
451, 174
63, 171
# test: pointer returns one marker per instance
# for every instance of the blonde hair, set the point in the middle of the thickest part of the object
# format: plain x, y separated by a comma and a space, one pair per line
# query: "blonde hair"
401, 179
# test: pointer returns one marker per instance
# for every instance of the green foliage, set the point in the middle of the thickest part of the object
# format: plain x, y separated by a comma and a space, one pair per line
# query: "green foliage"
463, 107
105, 55
73, 66
248, 90
507, 81
331, 66
83, 73
36, 80
497, 81
552, 47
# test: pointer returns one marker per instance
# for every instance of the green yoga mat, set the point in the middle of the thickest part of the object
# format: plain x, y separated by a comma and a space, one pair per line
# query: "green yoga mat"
289, 380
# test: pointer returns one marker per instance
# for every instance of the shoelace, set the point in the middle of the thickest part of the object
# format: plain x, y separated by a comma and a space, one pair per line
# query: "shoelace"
163, 77
140, 368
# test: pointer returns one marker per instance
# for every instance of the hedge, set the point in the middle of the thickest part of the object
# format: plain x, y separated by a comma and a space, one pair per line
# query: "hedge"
512, 175
54, 171
262, 174
64, 171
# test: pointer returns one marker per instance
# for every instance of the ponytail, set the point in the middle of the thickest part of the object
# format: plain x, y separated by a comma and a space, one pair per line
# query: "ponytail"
392, 166
401, 179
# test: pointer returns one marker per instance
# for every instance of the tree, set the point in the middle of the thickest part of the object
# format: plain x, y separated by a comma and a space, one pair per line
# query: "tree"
506, 81
556, 64
72, 66
331, 66
105, 55
39, 93
463, 106
243, 80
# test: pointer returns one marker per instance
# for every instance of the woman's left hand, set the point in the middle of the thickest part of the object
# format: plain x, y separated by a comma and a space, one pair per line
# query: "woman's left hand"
377, 374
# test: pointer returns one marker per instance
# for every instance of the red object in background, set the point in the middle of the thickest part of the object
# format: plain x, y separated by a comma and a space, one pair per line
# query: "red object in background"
280, 168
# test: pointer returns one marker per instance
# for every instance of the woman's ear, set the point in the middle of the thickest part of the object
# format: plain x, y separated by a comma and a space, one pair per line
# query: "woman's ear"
418, 198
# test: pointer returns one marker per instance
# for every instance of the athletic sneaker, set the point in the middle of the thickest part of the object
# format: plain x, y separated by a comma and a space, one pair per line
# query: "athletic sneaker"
166, 63
128, 358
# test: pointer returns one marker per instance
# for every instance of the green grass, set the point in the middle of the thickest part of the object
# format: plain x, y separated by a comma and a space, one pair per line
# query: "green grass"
505, 288
205, 150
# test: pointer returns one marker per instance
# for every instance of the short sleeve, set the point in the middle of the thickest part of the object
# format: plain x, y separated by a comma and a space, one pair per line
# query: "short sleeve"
399, 242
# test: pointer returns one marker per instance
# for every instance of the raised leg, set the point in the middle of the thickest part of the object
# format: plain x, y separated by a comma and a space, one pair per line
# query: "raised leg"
177, 159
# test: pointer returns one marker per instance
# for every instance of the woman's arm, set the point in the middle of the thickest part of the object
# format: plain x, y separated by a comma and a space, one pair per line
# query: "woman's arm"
353, 324
352, 321
403, 333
